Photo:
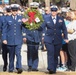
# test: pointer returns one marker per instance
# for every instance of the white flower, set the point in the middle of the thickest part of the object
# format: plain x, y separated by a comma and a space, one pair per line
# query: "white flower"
31, 24
37, 20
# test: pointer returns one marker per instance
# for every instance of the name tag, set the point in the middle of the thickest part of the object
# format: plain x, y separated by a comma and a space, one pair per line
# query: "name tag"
48, 22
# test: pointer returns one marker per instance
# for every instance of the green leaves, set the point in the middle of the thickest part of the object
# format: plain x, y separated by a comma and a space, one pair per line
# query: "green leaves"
34, 25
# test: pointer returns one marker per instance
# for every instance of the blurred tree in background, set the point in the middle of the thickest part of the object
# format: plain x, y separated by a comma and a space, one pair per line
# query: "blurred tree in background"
24, 2
57, 2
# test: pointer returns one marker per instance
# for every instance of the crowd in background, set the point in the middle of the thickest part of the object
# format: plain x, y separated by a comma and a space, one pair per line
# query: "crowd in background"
67, 58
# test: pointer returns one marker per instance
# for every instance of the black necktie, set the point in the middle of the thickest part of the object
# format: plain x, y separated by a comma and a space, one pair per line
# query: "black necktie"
54, 18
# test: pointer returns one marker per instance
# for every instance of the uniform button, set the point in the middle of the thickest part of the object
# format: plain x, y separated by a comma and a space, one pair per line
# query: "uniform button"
53, 38
54, 33
54, 29
14, 27
14, 33
14, 24
14, 30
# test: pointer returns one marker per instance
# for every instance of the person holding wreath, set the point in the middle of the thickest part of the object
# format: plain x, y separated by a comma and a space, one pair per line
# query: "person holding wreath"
33, 34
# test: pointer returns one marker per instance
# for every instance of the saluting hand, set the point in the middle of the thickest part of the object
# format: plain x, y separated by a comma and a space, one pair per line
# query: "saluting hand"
5, 42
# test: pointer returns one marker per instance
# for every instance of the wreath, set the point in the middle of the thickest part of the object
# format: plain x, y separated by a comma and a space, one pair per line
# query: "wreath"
34, 19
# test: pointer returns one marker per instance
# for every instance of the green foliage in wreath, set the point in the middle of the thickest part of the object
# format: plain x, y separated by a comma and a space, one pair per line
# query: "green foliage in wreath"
34, 25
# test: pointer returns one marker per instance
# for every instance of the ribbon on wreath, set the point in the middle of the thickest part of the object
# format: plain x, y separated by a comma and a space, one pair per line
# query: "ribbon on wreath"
31, 17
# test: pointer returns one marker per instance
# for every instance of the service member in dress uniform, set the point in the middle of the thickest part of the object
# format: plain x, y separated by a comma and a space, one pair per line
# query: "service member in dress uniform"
1, 14
0, 38
53, 37
12, 37
4, 46
32, 40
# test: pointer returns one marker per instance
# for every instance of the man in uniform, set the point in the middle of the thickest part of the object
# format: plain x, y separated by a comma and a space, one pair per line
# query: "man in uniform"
53, 37
12, 37
1, 14
4, 46
33, 40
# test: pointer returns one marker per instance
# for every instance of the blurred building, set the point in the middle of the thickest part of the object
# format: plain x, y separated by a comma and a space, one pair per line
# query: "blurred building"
73, 4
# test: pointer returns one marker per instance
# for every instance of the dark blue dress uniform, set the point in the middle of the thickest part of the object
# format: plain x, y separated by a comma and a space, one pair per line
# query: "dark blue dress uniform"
12, 32
53, 40
4, 47
0, 36
1, 14
43, 32
33, 40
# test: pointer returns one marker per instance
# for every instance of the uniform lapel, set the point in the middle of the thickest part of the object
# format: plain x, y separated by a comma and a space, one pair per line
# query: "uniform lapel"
16, 17
51, 20
12, 19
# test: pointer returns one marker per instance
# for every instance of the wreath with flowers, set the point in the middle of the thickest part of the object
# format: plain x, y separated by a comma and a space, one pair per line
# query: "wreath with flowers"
34, 19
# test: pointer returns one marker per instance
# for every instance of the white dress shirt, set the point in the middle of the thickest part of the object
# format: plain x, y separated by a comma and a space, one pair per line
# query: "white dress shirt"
54, 19
72, 25
14, 17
